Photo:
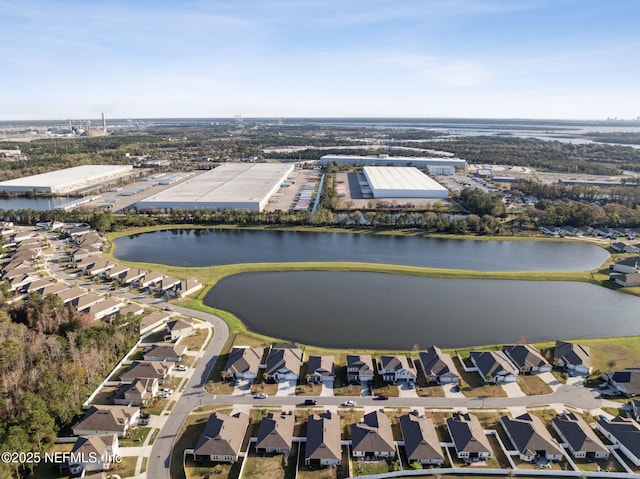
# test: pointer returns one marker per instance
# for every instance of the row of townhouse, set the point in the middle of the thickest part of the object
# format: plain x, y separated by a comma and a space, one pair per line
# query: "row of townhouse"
602, 232
626, 272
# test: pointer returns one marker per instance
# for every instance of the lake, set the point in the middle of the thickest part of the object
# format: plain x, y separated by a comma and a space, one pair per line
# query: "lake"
386, 311
209, 247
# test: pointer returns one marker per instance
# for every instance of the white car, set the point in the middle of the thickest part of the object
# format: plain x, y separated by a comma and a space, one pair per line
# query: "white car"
260, 396
349, 403
181, 368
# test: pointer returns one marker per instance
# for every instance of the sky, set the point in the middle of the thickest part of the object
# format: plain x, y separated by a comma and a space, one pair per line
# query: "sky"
541, 59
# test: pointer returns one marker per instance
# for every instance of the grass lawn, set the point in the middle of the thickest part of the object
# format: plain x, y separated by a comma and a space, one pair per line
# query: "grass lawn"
105, 396
186, 439
154, 435
270, 466
156, 407
204, 470
135, 437
195, 341
126, 468
157, 337
430, 391
347, 417
366, 468
610, 465
532, 385
270, 389
388, 389
137, 355
49, 470
309, 389
220, 387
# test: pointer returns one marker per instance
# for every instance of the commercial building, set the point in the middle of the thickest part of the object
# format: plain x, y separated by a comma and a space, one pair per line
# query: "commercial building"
386, 160
402, 182
67, 180
246, 186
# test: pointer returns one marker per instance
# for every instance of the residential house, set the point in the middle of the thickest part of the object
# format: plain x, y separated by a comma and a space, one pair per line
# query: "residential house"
627, 265
54, 288
421, 441
572, 356
626, 280
275, 434
19, 282
531, 438
283, 364
147, 370
321, 369
165, 352
133, 275
635, 408
38, 285
527, 359
131, 308
494, 367
373, 438
621, 247
151, 279
360, 368
106, 309
178, 328
138, 393
91, 454
84, 302
167, 283
623, 432
243, 362
98, 268
16, 264
438, 366
581, 440
470, 441
189, 286
397, 369
626, 381
117, 271
68, 295
153, 320
222, 437
323, 446
84, 253
106, 420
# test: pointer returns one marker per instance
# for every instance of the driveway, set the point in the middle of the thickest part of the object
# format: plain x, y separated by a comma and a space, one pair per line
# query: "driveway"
327, 389
287, 388
242, 389
405, 392
551, 380
452, 391
513, 390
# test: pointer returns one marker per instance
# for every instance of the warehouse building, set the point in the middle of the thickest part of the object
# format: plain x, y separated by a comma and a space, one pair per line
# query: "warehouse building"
246, 186
66, 181
386, 160
402, 182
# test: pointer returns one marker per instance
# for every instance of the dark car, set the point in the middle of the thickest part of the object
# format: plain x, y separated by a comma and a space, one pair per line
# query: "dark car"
382, 397
310, 402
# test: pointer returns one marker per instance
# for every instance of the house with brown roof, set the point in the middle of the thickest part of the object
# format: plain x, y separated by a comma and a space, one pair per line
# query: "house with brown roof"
106, 309
138, 393
243, 362
373, 437
573, 357
627, 280
178, 328
189, 286
84, 302
98, 267
133, 275
493, 367
397, 369
106, 420
323, 446
469, 440
119, 270
167, 283
531, 438
579, 437
131, 308
54, 288
421, 441
147, 370
438, 366
68, 295
38, 285
165, 352
321, 369
91, 454
222, 438
275, 434
360, 368
283, 364
151, 279
526, 358
152, 320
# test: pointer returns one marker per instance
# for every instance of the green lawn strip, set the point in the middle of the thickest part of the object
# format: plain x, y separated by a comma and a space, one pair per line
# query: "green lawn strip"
532, 385
153, 437
135, 437
270, 466
366, 468
143, 468
126, 468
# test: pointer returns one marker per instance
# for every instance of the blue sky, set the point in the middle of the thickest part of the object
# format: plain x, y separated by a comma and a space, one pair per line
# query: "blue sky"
574, 59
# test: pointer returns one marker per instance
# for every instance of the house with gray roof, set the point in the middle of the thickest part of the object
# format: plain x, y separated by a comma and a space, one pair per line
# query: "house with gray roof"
106, 420
178, 328
572, 356
275, 434
138, 393
397, 369
531, 438
438, 366
622, 247
623, 432
165, 352
323, 446
151, 279
494, 367
321, 369
147, 369
222, 438
106, 309
627, 265
627, 280
581, 440
243, 362
421, 441
373, 437
626, 381
84, 302
283, 364
360, 368
91, 454
635, 407
526, 358
470, 441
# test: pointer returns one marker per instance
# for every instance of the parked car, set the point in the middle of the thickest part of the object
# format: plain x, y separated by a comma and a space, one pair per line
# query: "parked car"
260, 396
382, 397
310, 402
181, 367
168, 307
349, 403
144, 415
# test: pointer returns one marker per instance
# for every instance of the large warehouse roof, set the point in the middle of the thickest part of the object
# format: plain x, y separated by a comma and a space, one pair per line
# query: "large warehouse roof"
67, 180
230, 186
385, 160
402, 182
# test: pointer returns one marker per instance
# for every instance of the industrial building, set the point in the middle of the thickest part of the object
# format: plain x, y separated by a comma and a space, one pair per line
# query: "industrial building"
66, 181
402, 182
246, 186
386, 160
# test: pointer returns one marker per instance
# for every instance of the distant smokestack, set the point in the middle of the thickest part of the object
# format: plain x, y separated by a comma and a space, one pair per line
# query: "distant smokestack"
70, 127
104, 123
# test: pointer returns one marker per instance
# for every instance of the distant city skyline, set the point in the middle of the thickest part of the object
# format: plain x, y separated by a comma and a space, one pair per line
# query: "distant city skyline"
537, 59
